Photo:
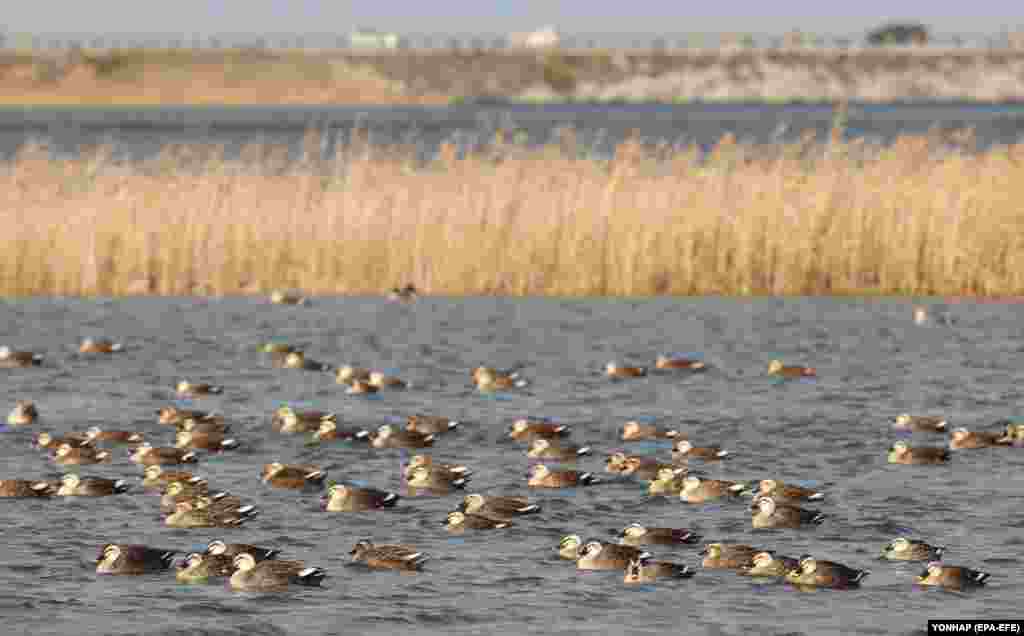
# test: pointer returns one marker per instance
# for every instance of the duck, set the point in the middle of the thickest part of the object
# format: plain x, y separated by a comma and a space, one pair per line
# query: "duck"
329, 431
616, 370
903, 453
645, 569
813, 572
173, 416
147, 454
775, 367
12, 359
189, 514
405, 294
683, 450
767, 513
185, 388
500, 508
197, 567
644, 468
666, 363
387, 437
594, 555
287, 420
636, 534
132, 559
266, 576
668, 481
384, 381
346, 374
1013, 434
24, 413
218, 547
767, 563
542, 448
543, 477
204, 426
634, 431
484, 370
920, 423
156, 478
489, 380
178, 491
26, 488
68, 455
430, 424
452, 471
787, 492
96, 434
525, 429
954, 577
569, 547
458, 522
342, 498
293, 476
45, 440
903, 549
697, 490
212, 442
297, 360
361, 387
282, 297
99, 345
962, 438
437, 482
72, 485
729, 556
388, 556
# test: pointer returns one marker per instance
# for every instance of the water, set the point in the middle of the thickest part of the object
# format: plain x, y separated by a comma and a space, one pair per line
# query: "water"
832, 432
141, 132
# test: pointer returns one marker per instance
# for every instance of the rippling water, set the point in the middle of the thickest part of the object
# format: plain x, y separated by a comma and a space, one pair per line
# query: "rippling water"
833, 432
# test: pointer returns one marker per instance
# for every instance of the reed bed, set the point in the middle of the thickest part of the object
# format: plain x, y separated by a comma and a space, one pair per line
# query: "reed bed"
919, 217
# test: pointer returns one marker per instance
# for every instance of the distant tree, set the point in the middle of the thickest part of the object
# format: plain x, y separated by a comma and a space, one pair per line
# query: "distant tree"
898, 34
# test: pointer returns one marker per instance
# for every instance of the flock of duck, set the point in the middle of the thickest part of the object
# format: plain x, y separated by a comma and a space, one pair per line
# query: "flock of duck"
189, 501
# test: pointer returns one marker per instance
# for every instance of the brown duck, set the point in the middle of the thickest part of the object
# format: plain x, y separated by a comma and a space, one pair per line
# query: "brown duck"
812, 572
633, 431
952, 577
731, 556
342, 498
164, 455
526, 429
388, 556
636, 534
646, 570
293, 476
543, 477
683, 450
903, 453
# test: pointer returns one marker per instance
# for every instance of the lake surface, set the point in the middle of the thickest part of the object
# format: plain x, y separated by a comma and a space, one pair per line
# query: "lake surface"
141, 132
832, 432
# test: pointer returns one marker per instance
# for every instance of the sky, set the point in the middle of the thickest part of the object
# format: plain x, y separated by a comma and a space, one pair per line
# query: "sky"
499, 17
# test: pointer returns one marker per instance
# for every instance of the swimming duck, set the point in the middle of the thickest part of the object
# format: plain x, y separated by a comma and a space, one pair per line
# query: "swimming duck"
200, 568
206, 425
569, 547
767, 513
962, 438
817, 573
645, 468
683, 450
197, 389
769, 564
96, 434
23, 413
775, 367
347, 374
281, 297
1012, 434
386, 437
11, 359
490, 380
730, 556
287, 420
172, 415
543, 477
68, 455
666, 363
189, 514
920, 423
388, 557
616, 370
594, 555
156, 478
405, 294
342, 498
73, 485
384, 381
329, 430
500, 508
132, 559
542, 448
458, 522
99, 345
178, 491
430, 424
452, 471
902, 453
903, 549
14, 488
361, 387
434, 481
47, 441
218, 547
697, 490
952, 577
526, 429
645, 569
147, 454
267, 576
633, 431
293, 476
636, 534
212, 442
668, 481
787, 492
297, 360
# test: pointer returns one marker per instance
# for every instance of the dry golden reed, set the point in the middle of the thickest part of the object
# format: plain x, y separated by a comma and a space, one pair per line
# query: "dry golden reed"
837, 218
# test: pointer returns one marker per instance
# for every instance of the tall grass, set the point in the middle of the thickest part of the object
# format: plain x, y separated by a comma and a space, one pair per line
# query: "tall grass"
917, 217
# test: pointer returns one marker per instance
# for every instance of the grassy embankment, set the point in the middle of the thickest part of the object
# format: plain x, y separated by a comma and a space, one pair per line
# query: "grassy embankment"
803, 219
